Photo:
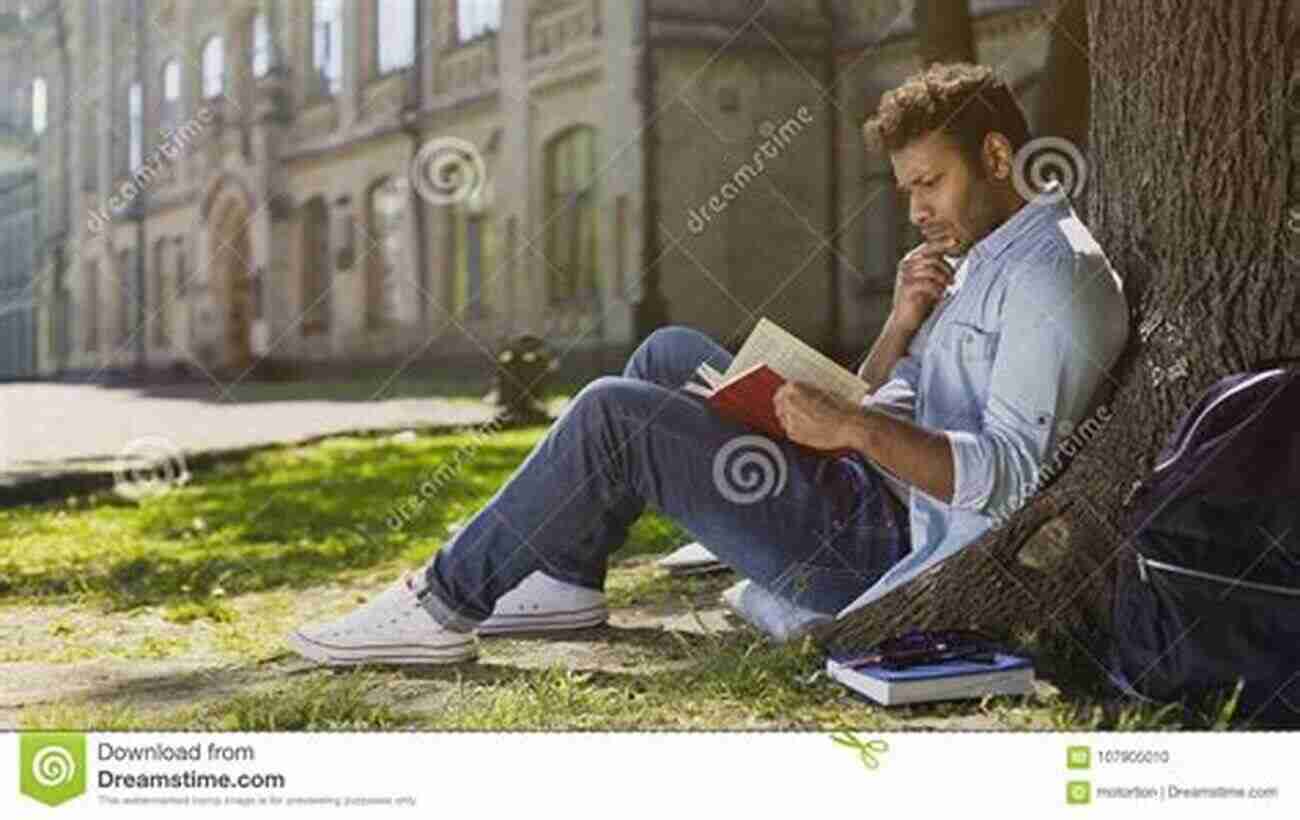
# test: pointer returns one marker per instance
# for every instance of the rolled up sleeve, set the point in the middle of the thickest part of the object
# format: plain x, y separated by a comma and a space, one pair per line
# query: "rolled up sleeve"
1063, 323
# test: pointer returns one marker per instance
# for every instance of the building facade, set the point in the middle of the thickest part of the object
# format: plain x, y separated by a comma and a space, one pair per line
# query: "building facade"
325, 182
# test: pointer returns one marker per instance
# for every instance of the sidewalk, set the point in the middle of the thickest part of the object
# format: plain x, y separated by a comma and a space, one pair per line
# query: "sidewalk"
57, 439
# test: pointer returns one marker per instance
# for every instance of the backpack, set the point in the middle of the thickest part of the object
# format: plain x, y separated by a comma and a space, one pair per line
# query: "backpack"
1208, 587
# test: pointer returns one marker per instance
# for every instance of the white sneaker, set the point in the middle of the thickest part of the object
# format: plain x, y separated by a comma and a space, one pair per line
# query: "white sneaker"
391, 628
773, 615
541, 603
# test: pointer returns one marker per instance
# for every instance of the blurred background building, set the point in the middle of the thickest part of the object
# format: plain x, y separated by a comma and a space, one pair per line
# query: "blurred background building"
189, 185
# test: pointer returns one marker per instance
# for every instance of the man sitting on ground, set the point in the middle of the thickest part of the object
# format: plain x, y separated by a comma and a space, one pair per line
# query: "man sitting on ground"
1004, 323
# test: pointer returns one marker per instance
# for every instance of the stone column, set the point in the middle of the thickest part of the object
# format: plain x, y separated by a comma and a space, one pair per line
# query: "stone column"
515, 192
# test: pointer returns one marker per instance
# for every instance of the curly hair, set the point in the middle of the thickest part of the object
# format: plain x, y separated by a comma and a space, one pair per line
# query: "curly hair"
963, 100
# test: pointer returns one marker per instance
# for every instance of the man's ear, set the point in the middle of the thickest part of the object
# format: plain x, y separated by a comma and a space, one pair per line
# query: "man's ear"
997, 156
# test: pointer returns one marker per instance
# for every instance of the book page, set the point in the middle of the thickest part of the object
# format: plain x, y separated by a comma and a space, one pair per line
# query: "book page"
795, 360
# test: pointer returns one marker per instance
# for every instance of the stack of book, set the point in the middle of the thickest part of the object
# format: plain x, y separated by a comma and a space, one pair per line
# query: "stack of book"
998, 673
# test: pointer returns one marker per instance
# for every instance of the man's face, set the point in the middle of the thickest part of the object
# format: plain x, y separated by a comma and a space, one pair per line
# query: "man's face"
952, 203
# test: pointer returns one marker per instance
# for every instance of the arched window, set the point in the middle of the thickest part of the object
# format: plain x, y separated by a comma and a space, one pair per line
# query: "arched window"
386, 208
40, 110
261, 58
315, 304
214, 67
394, 34
473, 256
135, 127
160, 297
125, 299
90, 308
169, 114
475, 17
571, 242
327, 46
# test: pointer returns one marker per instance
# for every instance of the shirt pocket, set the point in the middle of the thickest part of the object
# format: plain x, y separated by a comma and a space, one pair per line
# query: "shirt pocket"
972, 350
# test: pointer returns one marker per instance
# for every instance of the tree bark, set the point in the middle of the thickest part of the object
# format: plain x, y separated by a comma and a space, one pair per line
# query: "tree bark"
1193, 145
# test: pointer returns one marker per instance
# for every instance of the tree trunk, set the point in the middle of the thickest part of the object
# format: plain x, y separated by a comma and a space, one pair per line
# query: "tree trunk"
1193, 139
944, 31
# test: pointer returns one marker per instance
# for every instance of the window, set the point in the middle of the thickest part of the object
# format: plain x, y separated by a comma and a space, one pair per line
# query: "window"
125, 275
169, 115
40, 113
475, 17
135, 127
387, 206
473, 253
159, 297
214, 67
90, 308
327, 45
394, 34
261, 46
571, 215
182, 269
315, 268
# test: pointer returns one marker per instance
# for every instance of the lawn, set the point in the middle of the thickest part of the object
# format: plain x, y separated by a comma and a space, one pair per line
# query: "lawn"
169, 613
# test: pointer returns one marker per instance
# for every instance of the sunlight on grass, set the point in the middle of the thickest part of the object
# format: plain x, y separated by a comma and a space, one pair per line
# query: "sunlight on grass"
294, 516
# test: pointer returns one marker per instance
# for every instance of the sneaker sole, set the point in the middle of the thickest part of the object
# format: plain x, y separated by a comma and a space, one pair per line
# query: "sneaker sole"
545, 621
335, 655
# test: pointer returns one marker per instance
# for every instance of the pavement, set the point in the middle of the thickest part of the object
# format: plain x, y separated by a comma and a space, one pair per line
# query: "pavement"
54, 436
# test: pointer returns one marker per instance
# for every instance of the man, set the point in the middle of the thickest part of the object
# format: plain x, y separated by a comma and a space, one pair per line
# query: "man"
975, 375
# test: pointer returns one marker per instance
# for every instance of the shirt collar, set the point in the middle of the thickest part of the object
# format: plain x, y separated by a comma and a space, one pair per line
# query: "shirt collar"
1050, 204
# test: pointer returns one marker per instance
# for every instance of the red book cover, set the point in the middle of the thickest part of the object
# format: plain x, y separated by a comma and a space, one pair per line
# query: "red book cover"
749, 401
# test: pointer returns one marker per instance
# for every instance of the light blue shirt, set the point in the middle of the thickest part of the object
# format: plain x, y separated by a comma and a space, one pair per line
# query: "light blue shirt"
1008, 363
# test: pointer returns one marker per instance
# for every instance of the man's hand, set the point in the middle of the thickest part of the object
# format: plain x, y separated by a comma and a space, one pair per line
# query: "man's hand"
922, 277
814, 418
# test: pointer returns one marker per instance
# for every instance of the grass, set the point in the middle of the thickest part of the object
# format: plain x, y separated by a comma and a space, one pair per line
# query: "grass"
217, 570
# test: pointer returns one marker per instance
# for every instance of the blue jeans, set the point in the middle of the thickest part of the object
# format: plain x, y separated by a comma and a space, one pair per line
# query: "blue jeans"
813, 529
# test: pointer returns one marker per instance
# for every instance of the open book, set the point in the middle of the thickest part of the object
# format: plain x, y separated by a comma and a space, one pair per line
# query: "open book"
769, 358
